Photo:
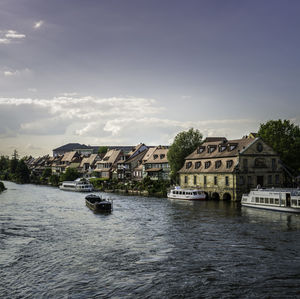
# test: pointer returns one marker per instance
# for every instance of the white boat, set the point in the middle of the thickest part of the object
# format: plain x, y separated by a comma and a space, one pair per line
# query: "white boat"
189, 194
285, 200
79, 185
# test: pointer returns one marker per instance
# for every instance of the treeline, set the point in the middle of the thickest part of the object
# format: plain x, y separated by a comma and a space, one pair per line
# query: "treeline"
15, 170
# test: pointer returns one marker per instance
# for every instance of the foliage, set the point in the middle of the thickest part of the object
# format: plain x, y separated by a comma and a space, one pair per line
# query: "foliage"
2, 187
54, 180
284, 138
4, 164
183, 145
71, 174
46, 173
22, 174
102, 150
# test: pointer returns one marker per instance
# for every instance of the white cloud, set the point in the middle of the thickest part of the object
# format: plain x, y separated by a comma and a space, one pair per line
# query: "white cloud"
38, 24
9, 36
17, 73
12, 34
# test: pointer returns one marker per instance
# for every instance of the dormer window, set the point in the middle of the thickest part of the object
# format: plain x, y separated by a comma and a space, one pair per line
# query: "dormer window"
229, 163
222, 148
232, 147
207, 164
155, 156
218, 164
211, 148
162, 156
200, 149
188, 165
197, 165
259, 147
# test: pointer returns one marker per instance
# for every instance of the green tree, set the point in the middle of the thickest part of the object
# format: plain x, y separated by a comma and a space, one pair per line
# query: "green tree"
22, 173
54, 180
4, 164
102, 150
284, 138
71, 174
184, 144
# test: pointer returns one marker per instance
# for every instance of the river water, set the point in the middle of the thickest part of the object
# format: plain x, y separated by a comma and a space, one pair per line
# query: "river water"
53, 246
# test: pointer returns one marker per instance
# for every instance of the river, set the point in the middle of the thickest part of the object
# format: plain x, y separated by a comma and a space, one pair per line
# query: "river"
53, 246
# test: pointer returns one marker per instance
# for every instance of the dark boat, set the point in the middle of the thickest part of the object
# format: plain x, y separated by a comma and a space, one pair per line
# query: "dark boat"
98, 204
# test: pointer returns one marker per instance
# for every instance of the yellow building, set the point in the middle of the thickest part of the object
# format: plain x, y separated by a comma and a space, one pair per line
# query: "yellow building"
225, 169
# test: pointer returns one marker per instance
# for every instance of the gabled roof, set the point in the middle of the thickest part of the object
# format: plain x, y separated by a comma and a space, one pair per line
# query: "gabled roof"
228, 148
158, 156
111, 156
136, 157
148, 154
88, 160
68, 156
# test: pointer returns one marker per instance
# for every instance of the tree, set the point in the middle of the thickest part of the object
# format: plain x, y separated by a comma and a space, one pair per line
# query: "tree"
284, 138
102, 150
71, 174
183, 145
22, 174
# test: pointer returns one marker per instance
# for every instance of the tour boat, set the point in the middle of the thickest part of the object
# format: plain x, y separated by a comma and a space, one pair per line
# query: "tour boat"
285, 200
79, 185
190, 194
98, 204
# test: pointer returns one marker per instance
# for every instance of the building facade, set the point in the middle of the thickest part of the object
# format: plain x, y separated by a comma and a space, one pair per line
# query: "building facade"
225, 169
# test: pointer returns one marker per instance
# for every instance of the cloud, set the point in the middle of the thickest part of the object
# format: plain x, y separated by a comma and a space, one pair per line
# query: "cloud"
38, 24
16, 73
9, 36
12, 34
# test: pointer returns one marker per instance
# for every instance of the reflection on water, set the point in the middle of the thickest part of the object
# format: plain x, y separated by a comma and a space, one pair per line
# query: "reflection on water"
53, 246
281, 220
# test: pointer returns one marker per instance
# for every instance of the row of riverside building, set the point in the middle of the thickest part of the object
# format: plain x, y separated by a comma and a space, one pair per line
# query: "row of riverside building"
224, 169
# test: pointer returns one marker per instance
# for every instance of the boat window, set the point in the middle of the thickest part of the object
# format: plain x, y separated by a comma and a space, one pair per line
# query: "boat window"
252, 199
261, 200
195, 193
276, 201
294, 202
271, 201
267, 200
283, 202
256, 199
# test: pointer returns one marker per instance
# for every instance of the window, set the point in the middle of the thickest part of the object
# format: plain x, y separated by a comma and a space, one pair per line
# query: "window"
155, 157
195, 180
270, 179
185, 179
277, 179
218, 164
216, 180
188, 165
200, 149
249, 180
274, 164
241, 179
211, 148
259, 147
229, 163
205, 180
222, 148
207, 164
162, 156
227, 181
232, 146
197, 165
245, 164
260, 163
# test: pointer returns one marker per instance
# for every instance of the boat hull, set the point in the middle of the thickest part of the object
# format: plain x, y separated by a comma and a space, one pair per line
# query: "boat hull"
272, 208
199, 198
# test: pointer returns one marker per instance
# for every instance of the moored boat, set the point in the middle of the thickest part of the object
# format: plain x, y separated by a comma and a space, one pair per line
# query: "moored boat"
284, 200
98, 204
79, 185
186, 194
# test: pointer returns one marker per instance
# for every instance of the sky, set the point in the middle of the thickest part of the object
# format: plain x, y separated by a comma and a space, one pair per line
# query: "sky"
121, 72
